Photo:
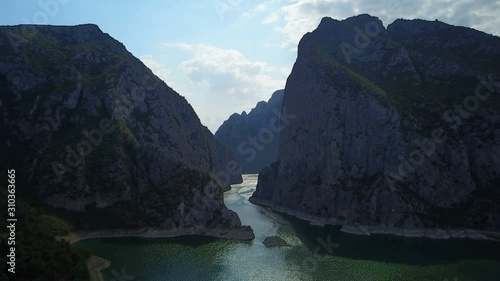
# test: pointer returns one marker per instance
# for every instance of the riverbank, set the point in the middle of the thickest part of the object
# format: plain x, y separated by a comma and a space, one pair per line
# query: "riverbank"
244, 233
96, 264
358, 229
314, 253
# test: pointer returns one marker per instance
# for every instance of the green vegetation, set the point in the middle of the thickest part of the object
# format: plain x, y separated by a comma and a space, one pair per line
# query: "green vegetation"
341, 74
328, 63
147, 209
39, 255
425, 101
54, 226
124, 129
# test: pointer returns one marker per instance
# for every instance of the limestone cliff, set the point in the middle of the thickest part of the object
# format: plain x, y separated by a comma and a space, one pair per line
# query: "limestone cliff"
251, 136
92, 130
395, 128
232, 172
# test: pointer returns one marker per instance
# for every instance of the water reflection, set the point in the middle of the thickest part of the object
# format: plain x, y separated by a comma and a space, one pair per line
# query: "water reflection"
416, 251
352, 258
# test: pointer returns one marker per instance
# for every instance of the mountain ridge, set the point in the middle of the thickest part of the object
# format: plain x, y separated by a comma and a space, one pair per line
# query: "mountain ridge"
96, 132
367, 100
246, 134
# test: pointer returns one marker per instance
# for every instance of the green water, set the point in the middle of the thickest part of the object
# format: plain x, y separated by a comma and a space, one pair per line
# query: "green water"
352, 257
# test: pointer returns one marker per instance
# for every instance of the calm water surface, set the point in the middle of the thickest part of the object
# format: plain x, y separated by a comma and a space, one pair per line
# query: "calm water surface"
351, 257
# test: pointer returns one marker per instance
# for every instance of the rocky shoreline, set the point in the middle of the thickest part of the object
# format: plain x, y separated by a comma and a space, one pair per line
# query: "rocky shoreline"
95, 265
275, 241
358, 229
244, 233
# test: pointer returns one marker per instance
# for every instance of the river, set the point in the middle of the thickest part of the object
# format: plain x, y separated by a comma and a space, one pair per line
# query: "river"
340, 256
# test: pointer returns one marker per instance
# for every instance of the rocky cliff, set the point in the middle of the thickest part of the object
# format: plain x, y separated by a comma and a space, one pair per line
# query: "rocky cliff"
251, 136
397, 130
91, 130
232, 172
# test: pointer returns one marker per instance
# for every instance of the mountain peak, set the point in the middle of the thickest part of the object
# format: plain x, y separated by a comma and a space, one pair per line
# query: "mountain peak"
362, 20
239, 128
68, 34
29, 29
363, 101
144, 143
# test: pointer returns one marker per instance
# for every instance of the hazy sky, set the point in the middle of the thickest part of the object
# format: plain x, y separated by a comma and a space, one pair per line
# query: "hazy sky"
226, 55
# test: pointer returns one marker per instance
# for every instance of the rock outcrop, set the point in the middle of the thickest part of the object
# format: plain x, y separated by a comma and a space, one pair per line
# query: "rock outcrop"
252, 137
395, 129
90, 129
275, 241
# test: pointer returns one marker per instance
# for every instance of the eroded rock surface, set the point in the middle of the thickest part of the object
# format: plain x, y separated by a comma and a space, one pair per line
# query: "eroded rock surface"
395, 128
253, 138
91, 129
275, 241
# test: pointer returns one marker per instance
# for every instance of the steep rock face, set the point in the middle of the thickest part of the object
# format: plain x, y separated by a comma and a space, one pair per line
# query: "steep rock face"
251, 136
390, 131
232, 172
89, 127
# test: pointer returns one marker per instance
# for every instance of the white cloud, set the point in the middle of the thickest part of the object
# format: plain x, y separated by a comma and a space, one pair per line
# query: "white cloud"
158, 69
302, 16
271, 18
220, 82
227, 71
179, 45
257, 10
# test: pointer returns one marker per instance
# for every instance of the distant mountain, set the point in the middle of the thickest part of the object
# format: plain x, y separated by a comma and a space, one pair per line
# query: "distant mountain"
396, 130
91, 130
254, 137
232, 171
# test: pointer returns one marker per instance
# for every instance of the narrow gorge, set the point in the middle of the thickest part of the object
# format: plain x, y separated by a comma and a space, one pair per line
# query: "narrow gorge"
250, 136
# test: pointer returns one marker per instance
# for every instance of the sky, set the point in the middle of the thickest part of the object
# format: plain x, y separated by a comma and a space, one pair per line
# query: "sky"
226, 55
